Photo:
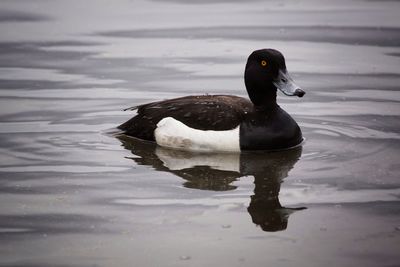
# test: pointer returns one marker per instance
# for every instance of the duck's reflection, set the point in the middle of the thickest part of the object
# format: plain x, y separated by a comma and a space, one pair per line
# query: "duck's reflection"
218, 171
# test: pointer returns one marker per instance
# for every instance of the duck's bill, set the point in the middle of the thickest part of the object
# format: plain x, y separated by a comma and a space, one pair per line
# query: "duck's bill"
286, 84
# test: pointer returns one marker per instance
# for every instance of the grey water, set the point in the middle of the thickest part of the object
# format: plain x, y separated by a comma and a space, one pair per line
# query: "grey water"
72, 193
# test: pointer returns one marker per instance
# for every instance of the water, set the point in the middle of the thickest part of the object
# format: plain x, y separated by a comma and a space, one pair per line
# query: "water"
72, 194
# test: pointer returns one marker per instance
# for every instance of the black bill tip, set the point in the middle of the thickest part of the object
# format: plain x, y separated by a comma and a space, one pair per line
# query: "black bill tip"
299, 92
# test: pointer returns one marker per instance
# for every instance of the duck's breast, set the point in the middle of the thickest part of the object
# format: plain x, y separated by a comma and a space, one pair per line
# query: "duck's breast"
269, 131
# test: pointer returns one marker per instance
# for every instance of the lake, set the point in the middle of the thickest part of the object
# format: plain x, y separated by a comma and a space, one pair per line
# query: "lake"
73, 193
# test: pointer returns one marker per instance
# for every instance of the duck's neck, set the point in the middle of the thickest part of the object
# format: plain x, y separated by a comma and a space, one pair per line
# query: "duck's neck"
266, 101
263, 95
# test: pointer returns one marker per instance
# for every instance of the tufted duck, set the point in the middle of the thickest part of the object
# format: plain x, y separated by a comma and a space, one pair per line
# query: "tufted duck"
224, 122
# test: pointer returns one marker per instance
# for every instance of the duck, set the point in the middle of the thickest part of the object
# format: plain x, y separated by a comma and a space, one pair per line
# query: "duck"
225, 123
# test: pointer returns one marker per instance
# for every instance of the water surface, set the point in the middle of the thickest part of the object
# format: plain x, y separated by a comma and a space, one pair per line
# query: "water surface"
73, 194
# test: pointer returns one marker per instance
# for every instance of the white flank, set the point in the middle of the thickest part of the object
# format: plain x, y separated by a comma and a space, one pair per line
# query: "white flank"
174, 134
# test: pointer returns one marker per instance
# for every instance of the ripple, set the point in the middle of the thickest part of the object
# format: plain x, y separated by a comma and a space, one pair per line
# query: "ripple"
14, 230
325, 194
352, 131
41, 74
62, 168
48, 127
185, 202
19, 16
345, 108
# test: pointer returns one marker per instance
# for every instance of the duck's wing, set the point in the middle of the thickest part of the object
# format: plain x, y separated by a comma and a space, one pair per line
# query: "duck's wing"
206, 112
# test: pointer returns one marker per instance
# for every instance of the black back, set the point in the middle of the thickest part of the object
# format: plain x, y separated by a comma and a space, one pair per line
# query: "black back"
205, 112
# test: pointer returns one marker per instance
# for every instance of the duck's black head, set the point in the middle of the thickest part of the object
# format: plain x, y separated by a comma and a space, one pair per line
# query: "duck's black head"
265, 72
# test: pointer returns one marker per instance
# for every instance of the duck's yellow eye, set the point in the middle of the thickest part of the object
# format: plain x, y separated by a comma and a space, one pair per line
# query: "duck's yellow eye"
263, 63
